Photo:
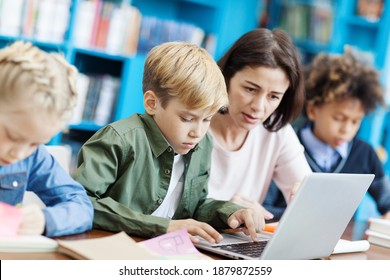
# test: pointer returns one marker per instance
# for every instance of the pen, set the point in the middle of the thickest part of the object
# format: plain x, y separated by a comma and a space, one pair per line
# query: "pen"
269, 228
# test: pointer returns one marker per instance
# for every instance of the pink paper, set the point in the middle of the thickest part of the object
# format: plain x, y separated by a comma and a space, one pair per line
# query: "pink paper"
173, 243
10, 219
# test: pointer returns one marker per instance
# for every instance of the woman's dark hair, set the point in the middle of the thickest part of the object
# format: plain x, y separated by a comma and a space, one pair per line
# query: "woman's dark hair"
272, 49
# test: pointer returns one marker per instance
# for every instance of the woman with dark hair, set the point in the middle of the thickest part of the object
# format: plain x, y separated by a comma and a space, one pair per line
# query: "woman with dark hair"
254, 142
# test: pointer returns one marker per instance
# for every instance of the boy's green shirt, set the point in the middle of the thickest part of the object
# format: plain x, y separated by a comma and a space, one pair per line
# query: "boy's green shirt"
126, 169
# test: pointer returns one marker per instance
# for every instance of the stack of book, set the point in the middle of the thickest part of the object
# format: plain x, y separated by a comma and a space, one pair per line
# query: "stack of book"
43, 20
96, 99
378, 232
110, 26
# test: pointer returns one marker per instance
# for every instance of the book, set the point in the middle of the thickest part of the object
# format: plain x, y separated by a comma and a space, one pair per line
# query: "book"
173, 245
84, 20
82, 90
106, 100
117, 30
27, 243
45, 20
118, 246
11, 17
379, 225
377, 238
94, 87
60, 23
96, 22
104, 24
348, 246
30, 16
370, 9
132, 30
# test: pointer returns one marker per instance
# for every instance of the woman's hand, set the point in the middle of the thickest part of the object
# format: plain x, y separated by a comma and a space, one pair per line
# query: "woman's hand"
249, 203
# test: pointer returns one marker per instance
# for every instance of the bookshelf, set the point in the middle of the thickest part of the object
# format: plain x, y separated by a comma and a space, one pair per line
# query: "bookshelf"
329, 25
310, 24
89, 44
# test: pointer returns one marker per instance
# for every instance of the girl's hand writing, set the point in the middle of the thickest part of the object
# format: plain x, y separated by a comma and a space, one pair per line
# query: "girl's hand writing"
33, 220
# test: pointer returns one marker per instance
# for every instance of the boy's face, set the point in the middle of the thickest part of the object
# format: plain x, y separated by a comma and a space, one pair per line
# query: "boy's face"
183, 128
337, 122
254, 94
21, 133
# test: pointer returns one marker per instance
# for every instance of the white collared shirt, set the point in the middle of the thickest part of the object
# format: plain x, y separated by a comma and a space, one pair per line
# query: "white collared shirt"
171, 201
324, 155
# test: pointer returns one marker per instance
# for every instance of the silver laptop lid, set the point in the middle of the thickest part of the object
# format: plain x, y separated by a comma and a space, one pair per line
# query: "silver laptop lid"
317, 216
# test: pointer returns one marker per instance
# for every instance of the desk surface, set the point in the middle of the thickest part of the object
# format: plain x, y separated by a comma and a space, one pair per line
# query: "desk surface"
351, 232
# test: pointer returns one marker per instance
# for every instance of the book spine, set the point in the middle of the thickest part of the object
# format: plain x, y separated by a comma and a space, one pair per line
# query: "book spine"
82, 89
11, 17
84, 22
96, 22
104, 24
107, 97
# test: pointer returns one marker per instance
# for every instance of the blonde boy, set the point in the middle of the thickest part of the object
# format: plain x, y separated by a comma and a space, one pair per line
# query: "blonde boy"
37, 97
147, 174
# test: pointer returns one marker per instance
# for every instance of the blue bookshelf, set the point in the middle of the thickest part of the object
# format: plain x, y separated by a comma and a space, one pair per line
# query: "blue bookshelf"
346, 26
218, 19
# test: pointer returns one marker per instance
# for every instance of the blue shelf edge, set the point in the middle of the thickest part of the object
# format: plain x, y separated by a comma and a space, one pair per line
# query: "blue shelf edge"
90, 126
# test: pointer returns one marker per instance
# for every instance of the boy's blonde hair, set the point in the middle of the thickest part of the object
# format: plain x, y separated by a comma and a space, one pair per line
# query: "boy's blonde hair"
187, 72
44, 81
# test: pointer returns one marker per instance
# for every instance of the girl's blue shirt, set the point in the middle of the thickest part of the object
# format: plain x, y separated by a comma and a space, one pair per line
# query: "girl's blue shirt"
68, 209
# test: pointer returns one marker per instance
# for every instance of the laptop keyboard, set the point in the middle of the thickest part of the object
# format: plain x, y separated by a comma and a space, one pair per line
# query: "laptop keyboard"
251, 249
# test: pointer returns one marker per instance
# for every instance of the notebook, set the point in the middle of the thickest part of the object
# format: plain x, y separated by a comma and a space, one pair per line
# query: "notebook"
27, 243
311, 225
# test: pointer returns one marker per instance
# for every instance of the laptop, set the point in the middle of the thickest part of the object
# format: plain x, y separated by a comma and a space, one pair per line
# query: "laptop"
310, 227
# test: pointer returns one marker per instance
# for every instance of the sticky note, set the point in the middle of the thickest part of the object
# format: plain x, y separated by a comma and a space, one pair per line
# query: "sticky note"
10, 219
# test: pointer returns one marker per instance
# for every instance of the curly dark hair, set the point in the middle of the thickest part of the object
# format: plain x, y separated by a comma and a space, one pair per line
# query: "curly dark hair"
338, 77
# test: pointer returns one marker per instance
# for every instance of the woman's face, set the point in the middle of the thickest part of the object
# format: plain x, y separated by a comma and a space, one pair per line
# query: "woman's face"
254, 94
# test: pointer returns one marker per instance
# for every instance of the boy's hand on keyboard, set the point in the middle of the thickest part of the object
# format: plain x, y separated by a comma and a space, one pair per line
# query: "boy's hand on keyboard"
252, 221
194, 228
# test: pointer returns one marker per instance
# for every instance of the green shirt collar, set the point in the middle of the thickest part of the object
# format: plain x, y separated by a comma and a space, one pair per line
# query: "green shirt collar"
158, 143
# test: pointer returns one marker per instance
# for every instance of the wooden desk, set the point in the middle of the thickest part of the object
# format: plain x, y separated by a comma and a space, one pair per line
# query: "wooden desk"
374, 253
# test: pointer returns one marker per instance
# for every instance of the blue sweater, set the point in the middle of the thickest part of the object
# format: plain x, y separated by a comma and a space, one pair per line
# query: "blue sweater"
361, 159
